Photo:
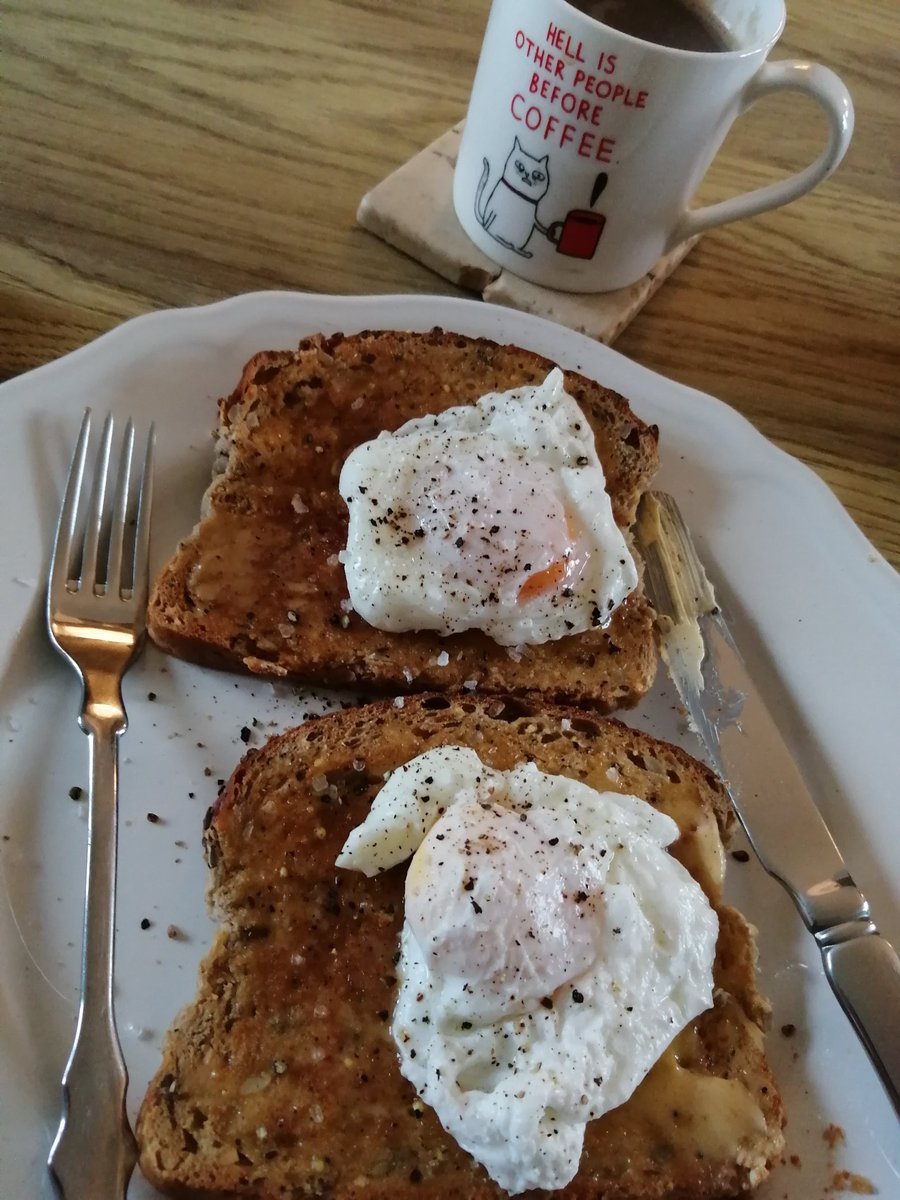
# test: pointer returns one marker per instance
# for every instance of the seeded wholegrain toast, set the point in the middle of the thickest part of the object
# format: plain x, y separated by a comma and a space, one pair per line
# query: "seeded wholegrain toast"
281, 1079
258, 586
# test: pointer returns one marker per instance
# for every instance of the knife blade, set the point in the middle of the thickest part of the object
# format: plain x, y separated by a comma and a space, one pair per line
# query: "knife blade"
767, 789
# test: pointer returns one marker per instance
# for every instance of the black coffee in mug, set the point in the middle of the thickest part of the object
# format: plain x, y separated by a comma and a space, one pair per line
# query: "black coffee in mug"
663, 22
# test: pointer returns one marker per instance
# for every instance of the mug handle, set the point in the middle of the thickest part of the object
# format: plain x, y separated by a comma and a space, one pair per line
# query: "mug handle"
554, 231
813, 80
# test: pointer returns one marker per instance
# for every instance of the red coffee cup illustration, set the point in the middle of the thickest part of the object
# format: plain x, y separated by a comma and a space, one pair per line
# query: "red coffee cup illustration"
578, 235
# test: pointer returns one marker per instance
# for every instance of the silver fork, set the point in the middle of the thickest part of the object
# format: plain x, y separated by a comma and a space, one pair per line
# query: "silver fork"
96, 601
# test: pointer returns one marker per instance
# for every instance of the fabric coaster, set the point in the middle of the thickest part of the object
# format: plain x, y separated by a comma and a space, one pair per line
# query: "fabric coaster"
412, 209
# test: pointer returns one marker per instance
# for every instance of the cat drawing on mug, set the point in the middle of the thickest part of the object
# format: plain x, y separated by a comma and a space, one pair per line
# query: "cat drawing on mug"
509, 214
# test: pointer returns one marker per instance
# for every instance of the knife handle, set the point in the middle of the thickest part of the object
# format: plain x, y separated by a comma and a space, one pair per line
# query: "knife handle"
864, 973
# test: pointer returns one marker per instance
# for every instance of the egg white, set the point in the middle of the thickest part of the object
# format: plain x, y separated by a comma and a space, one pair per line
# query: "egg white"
551, 950
490, 516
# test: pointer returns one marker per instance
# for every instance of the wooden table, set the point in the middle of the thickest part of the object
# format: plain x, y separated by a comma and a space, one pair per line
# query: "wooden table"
159, 153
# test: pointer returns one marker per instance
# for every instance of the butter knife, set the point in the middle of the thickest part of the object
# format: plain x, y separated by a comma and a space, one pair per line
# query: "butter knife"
770, 796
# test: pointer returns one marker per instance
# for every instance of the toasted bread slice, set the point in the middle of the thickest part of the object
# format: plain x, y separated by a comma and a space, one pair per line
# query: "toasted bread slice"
281, 1078
258, 586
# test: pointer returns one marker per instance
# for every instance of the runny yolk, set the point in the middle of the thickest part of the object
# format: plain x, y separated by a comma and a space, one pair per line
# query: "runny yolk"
550, 577
543, 581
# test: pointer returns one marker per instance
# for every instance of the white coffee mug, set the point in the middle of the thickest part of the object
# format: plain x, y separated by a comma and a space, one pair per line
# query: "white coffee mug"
583, 146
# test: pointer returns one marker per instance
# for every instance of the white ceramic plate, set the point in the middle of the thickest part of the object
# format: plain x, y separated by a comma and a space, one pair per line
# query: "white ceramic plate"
814, 606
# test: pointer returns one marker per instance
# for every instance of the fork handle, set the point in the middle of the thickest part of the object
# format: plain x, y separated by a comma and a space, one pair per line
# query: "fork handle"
94, 1151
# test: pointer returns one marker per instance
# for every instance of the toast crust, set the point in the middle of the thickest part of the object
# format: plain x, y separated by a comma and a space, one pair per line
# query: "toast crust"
257, 586
281, 1078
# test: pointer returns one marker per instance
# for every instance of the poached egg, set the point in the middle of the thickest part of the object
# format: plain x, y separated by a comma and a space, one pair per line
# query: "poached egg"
551, 949
491, 516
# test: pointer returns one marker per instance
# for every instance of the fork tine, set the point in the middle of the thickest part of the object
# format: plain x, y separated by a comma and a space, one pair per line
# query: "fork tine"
95, 509
141, 569
120, 513
68, 513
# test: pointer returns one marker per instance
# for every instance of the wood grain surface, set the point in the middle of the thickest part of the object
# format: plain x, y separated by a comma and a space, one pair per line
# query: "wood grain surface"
166, 152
